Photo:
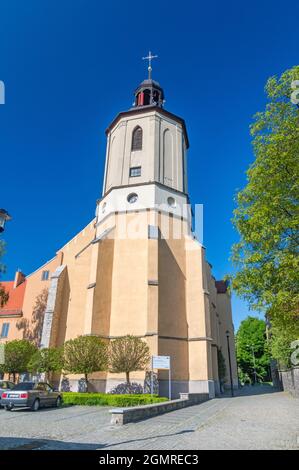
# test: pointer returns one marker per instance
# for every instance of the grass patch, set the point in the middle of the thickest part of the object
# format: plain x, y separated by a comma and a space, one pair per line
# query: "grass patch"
104, 399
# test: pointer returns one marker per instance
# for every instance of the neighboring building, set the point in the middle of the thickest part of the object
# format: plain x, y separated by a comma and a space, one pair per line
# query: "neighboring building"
137, 267
12, 311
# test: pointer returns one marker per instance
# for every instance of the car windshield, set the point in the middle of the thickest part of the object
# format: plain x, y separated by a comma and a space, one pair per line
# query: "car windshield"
24, 386
3, 385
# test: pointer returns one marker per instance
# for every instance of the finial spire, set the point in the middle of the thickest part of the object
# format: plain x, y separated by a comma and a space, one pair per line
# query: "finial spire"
149, 58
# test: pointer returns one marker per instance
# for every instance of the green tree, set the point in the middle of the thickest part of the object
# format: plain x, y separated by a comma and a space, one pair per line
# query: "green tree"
267, 213
280, 346
18, 353
85, 355
46, 360
252, 350
128, 354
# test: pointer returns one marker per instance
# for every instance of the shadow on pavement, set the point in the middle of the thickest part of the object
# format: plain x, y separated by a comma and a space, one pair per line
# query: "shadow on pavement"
19, 443
105, 446
249, 390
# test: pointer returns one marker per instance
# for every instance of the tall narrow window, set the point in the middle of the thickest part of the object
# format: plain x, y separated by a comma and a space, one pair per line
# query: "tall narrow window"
147, 97
168, 157
4, 331
45, 275
137, 138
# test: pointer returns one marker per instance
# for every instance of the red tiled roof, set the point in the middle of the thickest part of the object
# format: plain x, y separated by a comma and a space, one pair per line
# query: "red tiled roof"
221, 287
16, 296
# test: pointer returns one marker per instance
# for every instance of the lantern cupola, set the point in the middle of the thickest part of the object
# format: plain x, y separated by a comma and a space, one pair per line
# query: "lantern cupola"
149, 92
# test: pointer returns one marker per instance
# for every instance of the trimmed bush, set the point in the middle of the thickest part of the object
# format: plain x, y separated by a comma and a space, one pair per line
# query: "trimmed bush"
103, 399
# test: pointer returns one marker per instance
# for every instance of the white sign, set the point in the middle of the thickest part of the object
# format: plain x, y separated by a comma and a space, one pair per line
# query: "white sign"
161, 362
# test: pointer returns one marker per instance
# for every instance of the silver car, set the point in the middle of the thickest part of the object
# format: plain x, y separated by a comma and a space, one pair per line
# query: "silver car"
31, 395
5, 385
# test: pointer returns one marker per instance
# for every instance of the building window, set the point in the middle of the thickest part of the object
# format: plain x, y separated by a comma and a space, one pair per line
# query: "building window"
45, 275
4, 331
135, 171
137, 138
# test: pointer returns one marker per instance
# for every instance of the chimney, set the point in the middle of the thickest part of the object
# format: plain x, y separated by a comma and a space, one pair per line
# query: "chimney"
19, 278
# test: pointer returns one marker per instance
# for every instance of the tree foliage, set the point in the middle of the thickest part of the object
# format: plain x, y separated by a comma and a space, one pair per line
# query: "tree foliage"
85, 355
267, 213
280, 345
46, 360
128, 354
252, 349
18, 354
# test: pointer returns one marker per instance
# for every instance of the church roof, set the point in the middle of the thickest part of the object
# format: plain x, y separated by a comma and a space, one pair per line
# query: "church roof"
145, 109
150, 83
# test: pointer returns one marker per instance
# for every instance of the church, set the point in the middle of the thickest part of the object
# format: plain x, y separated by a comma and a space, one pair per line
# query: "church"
137, 268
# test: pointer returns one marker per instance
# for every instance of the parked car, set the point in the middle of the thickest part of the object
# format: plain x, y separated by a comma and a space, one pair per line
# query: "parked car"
31, 395
4, 386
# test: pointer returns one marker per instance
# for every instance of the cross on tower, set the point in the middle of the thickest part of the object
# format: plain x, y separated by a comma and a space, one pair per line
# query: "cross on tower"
149, 58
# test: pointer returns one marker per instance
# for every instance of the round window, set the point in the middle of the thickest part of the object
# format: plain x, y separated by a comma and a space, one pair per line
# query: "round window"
132, 198
171, 201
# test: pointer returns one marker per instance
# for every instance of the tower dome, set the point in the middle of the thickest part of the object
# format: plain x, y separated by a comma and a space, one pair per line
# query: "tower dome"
149, 93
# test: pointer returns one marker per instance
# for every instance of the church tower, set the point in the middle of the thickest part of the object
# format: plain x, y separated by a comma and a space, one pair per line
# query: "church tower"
149, 272
146, 156
137, 268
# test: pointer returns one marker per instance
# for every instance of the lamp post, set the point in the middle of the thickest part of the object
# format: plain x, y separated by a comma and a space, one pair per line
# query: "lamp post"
254, 368
4, 217
230, 365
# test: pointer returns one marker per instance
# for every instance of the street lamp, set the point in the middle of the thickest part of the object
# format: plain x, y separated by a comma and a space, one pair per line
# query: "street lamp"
230, 365
4, 217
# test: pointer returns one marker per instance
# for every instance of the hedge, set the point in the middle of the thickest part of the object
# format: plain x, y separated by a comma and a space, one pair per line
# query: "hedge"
103, 399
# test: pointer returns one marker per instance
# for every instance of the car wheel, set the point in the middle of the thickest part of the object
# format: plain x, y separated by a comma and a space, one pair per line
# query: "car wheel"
8, 408
58, 402
35, 405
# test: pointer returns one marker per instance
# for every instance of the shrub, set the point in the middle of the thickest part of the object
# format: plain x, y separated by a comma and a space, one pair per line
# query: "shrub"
84, 355
18, 353
46, 360
128, 354
103, 399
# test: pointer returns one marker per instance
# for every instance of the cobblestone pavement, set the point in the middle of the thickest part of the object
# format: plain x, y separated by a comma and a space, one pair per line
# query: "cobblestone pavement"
255, 419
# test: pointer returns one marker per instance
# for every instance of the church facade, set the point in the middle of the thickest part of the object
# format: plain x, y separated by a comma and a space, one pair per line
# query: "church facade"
137, 267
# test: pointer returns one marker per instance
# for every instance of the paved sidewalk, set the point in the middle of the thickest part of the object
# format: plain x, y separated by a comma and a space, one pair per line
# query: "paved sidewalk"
256, 419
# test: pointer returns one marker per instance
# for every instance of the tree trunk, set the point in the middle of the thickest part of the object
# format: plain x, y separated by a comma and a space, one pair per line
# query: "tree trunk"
86, 381
14, 377
128, 377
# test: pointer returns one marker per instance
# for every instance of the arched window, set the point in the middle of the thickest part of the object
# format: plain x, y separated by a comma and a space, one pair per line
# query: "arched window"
147, 97
137, 138
168, 157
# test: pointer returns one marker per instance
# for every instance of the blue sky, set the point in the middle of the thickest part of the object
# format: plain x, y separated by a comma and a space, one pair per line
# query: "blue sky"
70, 66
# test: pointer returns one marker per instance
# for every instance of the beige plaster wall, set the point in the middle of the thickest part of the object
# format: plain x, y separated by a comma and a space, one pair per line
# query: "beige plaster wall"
152, 158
